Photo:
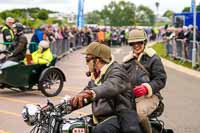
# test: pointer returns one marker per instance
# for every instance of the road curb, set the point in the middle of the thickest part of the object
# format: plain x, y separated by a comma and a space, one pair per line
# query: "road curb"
180, 68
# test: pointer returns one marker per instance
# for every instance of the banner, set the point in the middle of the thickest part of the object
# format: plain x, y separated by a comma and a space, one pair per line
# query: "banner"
80, 15
192, 6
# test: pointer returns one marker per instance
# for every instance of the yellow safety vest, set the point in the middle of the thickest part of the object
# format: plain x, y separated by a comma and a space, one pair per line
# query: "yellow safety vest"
11, 32
41, 58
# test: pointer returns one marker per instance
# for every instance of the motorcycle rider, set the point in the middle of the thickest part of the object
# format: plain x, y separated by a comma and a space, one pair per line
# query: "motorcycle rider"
109, 83
18, 49
147, 76
8, 34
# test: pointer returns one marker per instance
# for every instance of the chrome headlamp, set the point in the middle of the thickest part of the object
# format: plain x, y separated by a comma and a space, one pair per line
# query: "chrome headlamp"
30, 114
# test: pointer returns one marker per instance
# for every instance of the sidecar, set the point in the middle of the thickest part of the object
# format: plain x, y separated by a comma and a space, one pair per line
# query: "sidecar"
48, 78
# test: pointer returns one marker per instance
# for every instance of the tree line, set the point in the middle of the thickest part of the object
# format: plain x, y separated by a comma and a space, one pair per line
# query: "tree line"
32, 16
114, 14
122, 14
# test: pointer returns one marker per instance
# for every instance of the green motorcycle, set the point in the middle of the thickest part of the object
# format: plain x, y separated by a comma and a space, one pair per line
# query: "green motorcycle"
50, 119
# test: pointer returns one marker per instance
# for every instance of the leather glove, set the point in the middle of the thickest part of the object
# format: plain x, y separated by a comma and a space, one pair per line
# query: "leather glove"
140, 90
78, 100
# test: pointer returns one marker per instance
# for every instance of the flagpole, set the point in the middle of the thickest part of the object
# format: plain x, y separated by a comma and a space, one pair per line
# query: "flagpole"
194, 35
80, 14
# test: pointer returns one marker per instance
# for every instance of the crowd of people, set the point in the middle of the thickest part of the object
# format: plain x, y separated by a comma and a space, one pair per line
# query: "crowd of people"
179, 42
52, 33
83, 36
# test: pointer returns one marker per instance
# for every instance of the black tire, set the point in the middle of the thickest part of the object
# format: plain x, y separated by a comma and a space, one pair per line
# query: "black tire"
49, 78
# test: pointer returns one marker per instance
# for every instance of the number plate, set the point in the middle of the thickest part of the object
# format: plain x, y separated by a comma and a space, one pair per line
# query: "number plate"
78, 130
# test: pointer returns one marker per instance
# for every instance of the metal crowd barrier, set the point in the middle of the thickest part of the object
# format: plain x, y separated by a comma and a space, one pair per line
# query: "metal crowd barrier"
197, 46
79, 42
62, 47
181, 50
198, 55
184, 51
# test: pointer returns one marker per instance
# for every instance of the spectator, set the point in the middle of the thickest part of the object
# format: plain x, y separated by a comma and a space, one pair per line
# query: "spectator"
108, 37
35, 39
168, 37
50, 34
8, 34
100, 36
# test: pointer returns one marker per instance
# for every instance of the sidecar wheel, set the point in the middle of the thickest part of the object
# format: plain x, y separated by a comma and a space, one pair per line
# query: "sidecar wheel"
51, 83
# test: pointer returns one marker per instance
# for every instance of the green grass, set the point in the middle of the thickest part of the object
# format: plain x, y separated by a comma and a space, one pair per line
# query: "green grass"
161, 51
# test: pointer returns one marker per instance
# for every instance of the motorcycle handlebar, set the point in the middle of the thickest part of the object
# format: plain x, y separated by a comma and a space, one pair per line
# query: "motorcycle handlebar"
62, 109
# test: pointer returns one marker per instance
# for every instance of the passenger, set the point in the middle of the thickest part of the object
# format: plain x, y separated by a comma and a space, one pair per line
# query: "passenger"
147, 76
42, 56
107, 91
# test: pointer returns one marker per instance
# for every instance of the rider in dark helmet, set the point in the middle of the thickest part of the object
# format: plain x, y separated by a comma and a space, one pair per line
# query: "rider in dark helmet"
18, 28
18, 49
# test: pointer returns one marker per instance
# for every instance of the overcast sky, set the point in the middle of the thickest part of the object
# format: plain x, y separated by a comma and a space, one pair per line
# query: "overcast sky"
68, 6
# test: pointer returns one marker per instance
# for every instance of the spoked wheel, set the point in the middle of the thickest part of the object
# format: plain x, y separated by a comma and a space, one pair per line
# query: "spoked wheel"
51, 82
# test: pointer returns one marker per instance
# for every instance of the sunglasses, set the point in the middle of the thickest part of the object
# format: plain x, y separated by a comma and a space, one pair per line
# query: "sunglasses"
88, 59
136, 43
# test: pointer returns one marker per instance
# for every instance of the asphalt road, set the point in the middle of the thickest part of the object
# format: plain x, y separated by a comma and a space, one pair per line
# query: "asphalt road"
181, 97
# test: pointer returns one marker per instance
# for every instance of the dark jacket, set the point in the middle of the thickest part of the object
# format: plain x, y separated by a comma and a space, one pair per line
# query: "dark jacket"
155, 80
197, 36
180, 35
19, 48
113, 86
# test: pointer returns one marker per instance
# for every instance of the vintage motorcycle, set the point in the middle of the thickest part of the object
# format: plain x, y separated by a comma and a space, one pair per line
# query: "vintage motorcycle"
50, 119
